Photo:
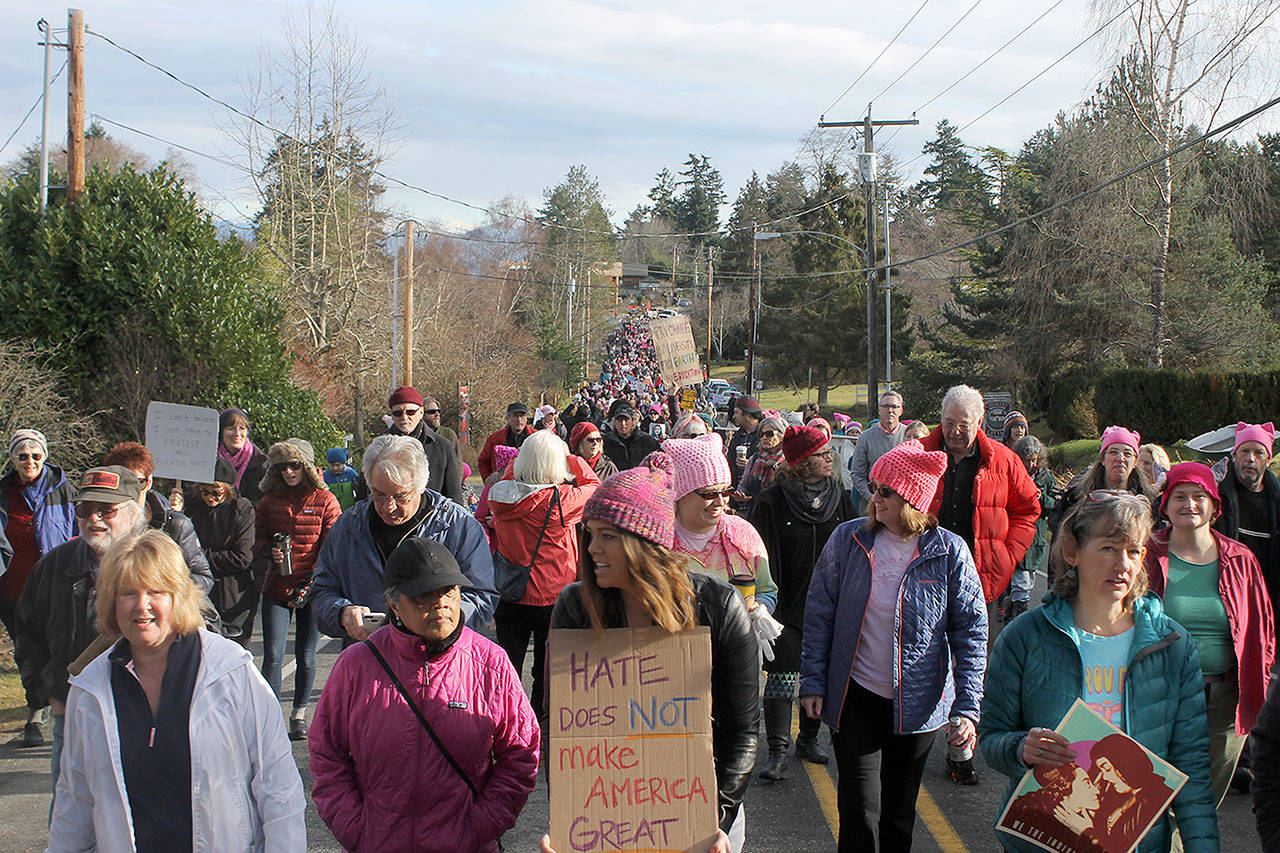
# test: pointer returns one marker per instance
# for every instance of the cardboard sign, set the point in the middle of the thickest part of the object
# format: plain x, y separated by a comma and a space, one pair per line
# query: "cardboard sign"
1107, 799
630, 762
673, 344
183, 440
688, 399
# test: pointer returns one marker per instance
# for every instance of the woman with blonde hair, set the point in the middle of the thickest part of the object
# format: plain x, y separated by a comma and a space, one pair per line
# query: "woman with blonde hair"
173, 740
631, 576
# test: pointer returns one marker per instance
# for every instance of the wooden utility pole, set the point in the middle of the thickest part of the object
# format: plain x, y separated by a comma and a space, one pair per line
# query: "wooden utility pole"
752, 319
869, 181
710, 275
407, 332
75, 104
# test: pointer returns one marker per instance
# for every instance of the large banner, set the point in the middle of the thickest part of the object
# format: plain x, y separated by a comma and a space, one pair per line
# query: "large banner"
1107, 799
183, 440
673, 345
630, 758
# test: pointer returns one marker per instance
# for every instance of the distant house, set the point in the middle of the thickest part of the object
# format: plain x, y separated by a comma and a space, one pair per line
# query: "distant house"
636, 280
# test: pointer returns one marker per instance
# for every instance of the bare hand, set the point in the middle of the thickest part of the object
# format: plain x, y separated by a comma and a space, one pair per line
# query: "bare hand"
812, 705
176, 500
57, 707
353, 621
1045, 746
277, 556
965, 734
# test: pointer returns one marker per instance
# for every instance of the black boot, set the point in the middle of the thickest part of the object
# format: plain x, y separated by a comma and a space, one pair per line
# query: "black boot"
807, 746
777, 727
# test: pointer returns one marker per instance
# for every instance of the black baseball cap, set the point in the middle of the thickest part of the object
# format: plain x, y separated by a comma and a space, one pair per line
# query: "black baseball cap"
517, 409
419, 566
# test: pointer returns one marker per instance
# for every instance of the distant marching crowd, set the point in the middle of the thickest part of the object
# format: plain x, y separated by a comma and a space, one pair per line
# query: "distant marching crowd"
892, 612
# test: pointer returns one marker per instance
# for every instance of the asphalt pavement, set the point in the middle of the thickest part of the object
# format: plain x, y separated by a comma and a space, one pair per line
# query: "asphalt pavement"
796, 815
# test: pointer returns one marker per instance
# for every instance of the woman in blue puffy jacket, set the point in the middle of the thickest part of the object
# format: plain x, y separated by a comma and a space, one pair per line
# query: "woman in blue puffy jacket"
895, 635
1101, 638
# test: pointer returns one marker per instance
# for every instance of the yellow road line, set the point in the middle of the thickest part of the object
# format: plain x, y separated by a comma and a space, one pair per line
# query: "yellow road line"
823, 788
938, 825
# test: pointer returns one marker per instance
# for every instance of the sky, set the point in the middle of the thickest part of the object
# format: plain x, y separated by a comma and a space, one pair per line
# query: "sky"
496, 98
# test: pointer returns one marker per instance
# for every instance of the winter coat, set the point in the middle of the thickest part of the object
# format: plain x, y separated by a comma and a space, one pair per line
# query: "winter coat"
53, 501
1249, 614
735, 677
444, 471
227, 533
519, 510
1036, 674
1264, 747
246, 791
349, 568
1034, 559
178, 528
380, 781
940, 628
1228, 522
307, 517
735, 550
1006, 504
484, 463
631, 451
603, 466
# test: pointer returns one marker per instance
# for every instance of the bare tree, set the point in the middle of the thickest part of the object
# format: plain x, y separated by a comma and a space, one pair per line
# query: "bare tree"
1181, 62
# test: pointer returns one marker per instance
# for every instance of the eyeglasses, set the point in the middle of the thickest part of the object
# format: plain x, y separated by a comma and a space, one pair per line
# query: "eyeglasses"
427, 412
287, 466
883, 491
824, 454
210, 493
714, 494
29, 457
399, 499
405, 413
88, 509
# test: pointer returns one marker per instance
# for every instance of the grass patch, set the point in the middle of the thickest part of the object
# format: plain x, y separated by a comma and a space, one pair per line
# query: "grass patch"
13, 700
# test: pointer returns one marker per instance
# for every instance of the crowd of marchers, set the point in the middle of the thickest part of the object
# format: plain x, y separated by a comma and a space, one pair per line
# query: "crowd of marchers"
879, 577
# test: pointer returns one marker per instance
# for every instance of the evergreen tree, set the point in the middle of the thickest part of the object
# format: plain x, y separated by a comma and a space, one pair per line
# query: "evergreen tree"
697, 209
955, 182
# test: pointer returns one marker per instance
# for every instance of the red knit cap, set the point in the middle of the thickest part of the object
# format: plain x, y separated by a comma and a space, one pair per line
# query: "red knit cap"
801, 442
579, 432
405, 394
912, 472
1190, 472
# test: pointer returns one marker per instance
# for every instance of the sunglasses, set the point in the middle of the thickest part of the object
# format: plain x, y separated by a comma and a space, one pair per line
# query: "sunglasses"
713, 494
29, 457
769, 432
429, 411
405, 413
88, 509
883, 491
287, 466
594, 439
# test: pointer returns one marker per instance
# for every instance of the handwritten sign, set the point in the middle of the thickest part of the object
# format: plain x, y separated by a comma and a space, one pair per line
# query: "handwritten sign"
673, 344
630, 758
183, 440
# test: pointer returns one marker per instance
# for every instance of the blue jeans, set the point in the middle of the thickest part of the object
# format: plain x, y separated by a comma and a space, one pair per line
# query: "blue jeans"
1020, 585
275, 632
55, 756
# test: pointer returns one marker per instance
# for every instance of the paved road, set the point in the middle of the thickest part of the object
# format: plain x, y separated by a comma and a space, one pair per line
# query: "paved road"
797, 815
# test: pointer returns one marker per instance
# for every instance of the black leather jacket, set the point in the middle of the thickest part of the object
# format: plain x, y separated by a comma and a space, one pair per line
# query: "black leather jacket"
735, 677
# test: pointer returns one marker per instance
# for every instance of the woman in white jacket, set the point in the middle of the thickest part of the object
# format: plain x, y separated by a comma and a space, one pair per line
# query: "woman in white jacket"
173, 739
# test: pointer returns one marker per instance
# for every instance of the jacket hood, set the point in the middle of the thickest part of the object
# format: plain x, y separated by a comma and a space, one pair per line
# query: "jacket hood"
218, 657
514, 491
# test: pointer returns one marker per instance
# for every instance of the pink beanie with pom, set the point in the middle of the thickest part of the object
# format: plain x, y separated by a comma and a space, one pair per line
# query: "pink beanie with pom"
697, 463
912, 472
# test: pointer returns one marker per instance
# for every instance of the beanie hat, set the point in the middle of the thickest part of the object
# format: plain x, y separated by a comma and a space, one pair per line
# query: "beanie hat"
1014, 417
697, 463
686, 419
29, 435
1264, 434
1119, 435
1190, 472
224, 472
579, 432
503, 455
773, 422
405, 394
639, 501
750, 405
840, 419
466, 471
912, 472
227, 417
543, 411
335, 454
801, 442
821, 424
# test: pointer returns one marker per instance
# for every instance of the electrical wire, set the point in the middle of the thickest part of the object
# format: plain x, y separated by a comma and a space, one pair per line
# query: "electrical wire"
171, 144
928, 50
882, 52
39, 99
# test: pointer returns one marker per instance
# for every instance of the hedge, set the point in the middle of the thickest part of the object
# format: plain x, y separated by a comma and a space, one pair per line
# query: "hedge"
1164, 406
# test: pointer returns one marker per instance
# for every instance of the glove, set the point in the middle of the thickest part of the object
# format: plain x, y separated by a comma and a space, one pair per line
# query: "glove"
767, 630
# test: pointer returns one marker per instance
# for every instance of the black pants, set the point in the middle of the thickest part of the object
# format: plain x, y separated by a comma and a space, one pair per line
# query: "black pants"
880, 774
9, 616
515, 622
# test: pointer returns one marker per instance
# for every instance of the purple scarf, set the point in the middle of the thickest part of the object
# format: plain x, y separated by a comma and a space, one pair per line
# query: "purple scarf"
240, 460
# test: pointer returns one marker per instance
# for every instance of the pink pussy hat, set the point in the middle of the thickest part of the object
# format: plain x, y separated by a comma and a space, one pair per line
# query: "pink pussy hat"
504, 455
697, 463
1119, 435
1264, 434
912, 472
639, 501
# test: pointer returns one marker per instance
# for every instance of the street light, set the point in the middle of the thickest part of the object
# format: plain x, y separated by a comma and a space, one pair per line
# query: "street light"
862, 256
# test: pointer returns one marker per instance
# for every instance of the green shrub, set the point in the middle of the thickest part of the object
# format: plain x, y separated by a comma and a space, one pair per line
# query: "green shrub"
1071, 412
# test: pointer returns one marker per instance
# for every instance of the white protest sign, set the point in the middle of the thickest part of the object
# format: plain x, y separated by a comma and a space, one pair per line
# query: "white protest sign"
183, 440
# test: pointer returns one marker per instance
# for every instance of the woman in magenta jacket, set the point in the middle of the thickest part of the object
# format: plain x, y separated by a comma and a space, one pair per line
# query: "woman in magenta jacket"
382, 782
1213, 587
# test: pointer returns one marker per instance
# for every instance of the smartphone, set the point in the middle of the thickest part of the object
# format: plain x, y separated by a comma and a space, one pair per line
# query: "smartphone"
374, 620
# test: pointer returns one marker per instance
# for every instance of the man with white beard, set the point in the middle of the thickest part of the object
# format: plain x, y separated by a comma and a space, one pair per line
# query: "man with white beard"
55, 616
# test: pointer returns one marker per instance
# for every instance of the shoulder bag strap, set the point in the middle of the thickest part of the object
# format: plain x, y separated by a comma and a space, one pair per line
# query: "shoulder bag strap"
555, 502
404, 694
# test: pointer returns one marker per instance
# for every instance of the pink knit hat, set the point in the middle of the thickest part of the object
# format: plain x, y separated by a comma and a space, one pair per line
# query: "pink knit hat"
1264, 434
503, 454
821, 424
1119, 435
912, 472
697, 463
639, 501
1190, 472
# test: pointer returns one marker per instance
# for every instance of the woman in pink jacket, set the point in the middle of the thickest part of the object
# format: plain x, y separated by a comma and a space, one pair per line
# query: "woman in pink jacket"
423, 738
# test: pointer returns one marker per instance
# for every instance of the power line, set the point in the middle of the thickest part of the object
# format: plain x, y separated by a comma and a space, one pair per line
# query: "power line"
39, 99
882, 52
170, 143
928, 50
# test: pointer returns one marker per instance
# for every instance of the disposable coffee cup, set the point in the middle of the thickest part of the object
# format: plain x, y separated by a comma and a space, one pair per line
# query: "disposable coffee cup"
746, 586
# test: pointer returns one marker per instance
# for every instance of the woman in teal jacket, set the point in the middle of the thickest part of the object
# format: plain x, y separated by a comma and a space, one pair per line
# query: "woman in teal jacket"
1146, 680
